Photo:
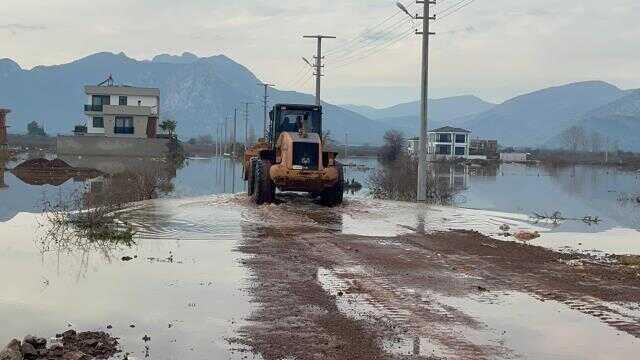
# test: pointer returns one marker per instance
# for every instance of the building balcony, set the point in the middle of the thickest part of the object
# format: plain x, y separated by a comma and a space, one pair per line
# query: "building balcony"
121, 110
128, 110
93, 108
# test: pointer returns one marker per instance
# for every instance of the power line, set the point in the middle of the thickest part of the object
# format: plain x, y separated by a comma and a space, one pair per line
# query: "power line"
364, 38
304, 78
296, 78
466, 3
350, 41
375, 50
375, 40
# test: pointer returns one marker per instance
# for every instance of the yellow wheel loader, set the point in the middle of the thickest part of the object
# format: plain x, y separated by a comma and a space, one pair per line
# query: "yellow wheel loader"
292, 158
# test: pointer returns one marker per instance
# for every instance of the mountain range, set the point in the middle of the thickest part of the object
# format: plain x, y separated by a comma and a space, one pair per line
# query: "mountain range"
405, 116
535, 119
200, 92
197, 92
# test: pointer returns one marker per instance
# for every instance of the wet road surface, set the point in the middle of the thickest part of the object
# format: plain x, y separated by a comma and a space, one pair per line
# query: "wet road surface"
216, 277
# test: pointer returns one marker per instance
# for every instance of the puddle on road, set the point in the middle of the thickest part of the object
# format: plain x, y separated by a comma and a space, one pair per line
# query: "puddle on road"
183, 289
537, 329
521, 325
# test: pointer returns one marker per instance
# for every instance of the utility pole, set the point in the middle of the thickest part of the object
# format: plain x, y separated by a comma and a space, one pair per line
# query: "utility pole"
217, 139
318, 64
346, 145
235, 137
346, 150
226, 121
424, 94
264, 125
246, 124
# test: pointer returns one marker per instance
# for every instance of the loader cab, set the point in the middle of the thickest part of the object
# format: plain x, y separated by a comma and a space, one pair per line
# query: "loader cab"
294, 118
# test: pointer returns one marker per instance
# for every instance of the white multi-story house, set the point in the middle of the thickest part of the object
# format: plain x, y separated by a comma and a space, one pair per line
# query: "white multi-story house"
449, 141
122, 111
445, 142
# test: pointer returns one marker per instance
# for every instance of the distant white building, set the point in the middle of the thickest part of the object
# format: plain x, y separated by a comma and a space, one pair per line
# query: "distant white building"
445, 142
122, 111
121, 121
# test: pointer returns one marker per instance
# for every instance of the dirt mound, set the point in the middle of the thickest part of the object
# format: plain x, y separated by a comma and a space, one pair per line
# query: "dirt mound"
57, 163
43, 164
68, 345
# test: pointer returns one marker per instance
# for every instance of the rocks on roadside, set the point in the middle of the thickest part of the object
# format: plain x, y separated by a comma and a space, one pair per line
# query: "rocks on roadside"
29, 351
629, 260
13, 351
572, 262
37, 342
68, 345
526, 235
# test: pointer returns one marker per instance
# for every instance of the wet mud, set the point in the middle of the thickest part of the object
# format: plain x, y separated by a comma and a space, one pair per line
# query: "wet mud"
326, 294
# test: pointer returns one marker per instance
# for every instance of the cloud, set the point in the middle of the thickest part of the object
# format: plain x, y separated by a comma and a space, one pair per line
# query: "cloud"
492, 48
16, 28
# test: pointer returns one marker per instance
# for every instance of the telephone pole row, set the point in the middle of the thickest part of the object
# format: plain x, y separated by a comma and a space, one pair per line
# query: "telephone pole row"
246, 124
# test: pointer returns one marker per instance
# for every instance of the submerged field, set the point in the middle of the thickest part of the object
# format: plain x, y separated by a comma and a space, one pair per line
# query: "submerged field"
210, 275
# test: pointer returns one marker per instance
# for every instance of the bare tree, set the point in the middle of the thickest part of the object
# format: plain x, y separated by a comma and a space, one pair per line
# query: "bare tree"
574, 138
596, 141
393, 148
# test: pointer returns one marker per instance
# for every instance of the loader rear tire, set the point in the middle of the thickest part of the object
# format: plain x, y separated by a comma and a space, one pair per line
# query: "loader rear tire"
334, 195
263, 189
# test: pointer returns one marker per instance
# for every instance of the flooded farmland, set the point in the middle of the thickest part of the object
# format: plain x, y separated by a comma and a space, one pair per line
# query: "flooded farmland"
209, 275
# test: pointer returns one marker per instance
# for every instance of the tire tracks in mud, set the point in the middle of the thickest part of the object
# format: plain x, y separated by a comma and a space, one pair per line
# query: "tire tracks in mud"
399, 278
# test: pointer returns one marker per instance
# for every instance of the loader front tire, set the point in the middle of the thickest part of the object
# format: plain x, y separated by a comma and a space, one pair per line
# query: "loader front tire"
263, 189
251, 176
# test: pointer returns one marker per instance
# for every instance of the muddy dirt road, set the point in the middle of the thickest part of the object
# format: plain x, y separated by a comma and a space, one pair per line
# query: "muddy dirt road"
325, 292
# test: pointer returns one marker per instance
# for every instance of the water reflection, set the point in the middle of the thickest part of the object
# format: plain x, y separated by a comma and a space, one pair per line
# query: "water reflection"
3, 166
25, 191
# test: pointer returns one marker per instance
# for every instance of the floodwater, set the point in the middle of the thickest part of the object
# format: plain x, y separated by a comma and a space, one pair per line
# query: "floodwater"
513, 194
184, 288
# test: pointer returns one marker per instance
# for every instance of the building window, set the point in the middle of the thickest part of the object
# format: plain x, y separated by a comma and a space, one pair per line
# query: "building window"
98, 122
460, 151
444, 138
122, 100
124, 125
443, 150
100, 100
461, 138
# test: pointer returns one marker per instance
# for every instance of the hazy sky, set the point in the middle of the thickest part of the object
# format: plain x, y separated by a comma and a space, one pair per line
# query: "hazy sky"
491, 48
